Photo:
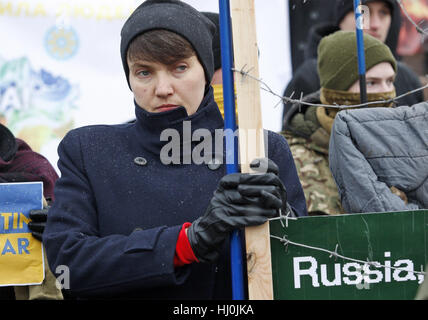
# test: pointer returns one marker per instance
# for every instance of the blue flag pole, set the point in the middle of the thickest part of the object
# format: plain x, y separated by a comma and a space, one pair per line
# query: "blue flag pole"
360, 50
237, 268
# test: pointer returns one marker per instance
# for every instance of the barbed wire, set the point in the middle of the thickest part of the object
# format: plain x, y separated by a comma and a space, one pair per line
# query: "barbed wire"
424, 32
266, 88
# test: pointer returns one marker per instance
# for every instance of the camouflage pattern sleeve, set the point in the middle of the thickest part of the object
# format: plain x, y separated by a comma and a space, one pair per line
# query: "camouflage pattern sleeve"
314, 173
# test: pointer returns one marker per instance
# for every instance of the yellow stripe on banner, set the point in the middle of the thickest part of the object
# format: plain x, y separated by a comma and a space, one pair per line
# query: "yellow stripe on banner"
21, 259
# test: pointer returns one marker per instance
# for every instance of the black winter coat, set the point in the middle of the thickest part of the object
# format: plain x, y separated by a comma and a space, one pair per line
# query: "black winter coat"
115, 220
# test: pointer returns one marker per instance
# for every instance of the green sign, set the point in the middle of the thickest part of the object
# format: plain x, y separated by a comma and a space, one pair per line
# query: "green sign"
352, 256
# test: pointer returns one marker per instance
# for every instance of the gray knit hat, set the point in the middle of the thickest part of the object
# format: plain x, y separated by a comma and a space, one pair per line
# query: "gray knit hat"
175, 16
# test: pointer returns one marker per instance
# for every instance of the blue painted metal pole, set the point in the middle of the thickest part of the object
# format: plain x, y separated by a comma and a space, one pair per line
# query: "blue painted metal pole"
226, 49
360, 50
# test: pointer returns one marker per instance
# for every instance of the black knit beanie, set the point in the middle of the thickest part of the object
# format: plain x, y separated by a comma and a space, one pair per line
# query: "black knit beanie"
175, 16
343, 7
8, 145
214, 17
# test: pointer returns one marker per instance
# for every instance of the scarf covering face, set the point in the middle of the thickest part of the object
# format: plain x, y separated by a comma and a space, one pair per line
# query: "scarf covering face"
345, 98
326, 116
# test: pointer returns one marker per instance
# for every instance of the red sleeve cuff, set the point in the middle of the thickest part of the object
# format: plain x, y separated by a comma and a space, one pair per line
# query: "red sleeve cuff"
183, 251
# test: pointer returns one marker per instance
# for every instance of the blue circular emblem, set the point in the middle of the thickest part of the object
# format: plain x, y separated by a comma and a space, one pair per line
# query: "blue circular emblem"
61, 43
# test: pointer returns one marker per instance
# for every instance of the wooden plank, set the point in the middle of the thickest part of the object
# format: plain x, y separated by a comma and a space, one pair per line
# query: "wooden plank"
251, 141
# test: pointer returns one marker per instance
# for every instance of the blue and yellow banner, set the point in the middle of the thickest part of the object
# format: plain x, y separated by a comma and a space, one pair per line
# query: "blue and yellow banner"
21, 255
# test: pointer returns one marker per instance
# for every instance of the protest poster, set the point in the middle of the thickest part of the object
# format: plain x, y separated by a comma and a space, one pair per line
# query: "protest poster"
353, 256
21, 255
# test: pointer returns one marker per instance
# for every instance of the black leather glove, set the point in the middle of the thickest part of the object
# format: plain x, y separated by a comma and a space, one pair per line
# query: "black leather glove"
38, 222
241, 200
267, 165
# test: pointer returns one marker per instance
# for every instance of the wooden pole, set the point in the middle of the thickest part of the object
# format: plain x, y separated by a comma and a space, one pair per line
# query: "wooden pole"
251, 140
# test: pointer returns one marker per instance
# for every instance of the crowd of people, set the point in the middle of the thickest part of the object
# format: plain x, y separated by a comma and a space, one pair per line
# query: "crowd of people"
128, 225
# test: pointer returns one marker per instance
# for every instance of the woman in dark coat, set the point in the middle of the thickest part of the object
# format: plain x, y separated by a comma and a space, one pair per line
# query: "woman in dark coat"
134, 214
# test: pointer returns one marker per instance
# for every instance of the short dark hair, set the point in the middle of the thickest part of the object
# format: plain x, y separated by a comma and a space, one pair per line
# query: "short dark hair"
161, 46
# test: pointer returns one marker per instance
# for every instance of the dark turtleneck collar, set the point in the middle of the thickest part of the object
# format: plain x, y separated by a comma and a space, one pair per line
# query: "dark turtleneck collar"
150, 125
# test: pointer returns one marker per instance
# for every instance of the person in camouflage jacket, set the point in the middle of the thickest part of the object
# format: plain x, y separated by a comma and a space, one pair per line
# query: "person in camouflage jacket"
308, 142
307, 128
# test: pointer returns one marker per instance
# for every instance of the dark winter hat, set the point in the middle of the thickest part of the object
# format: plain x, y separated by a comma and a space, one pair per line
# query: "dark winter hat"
8, 146
175, 16
338, 60
214, 17
343, 7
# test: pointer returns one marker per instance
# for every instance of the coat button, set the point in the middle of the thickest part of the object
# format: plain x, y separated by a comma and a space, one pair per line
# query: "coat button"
140, 161
214, 164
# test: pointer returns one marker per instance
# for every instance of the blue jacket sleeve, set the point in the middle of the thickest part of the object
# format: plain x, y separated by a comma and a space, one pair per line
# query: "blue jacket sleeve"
101, 265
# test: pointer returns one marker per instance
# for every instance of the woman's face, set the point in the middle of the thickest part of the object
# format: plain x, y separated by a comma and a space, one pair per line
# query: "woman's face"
158, 87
